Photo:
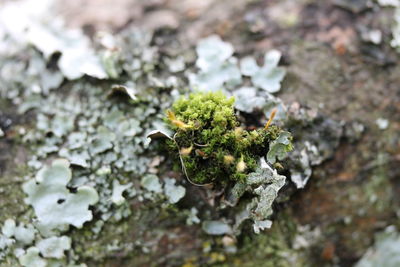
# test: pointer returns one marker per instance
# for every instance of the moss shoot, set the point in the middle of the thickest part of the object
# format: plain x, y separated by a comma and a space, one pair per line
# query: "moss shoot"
208, 138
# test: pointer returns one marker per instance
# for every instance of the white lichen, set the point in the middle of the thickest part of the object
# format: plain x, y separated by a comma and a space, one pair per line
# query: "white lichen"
21, 233
151, 183
54, 247
173, 192
217, 66
267, 77
216, 227
32, 258
382, 123
117, 198
55, 206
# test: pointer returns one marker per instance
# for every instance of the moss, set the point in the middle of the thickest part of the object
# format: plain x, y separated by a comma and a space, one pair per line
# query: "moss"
210, 141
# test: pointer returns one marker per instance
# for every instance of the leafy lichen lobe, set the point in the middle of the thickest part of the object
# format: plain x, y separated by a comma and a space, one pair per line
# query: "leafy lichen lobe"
212, 145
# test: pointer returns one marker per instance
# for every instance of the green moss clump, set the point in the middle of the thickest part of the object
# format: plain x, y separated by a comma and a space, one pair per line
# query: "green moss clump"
210, 142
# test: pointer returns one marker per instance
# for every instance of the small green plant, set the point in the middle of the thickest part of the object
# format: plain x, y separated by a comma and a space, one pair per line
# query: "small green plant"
211, 145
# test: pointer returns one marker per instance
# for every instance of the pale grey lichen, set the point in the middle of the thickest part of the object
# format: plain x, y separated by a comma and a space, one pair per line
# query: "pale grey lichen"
306, 236
385, 252
314, 140
216, 227
393, 3
373, 36
176, 64
212, 51
261, 225
78, 158
382, 123
76, 140
5, 245
278, 148
264, 185
28, 25
54, 247
151, 183
103, 140
8, 228
267, 77
270, 182
301, 175
22, 234
246, 100
217, 66
248, 66
32, 259
219, 69
55, 206
395, 42
192, 217
173, 192
118, 189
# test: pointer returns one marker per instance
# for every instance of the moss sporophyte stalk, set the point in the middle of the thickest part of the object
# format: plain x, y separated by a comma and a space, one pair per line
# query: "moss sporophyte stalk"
209, 142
